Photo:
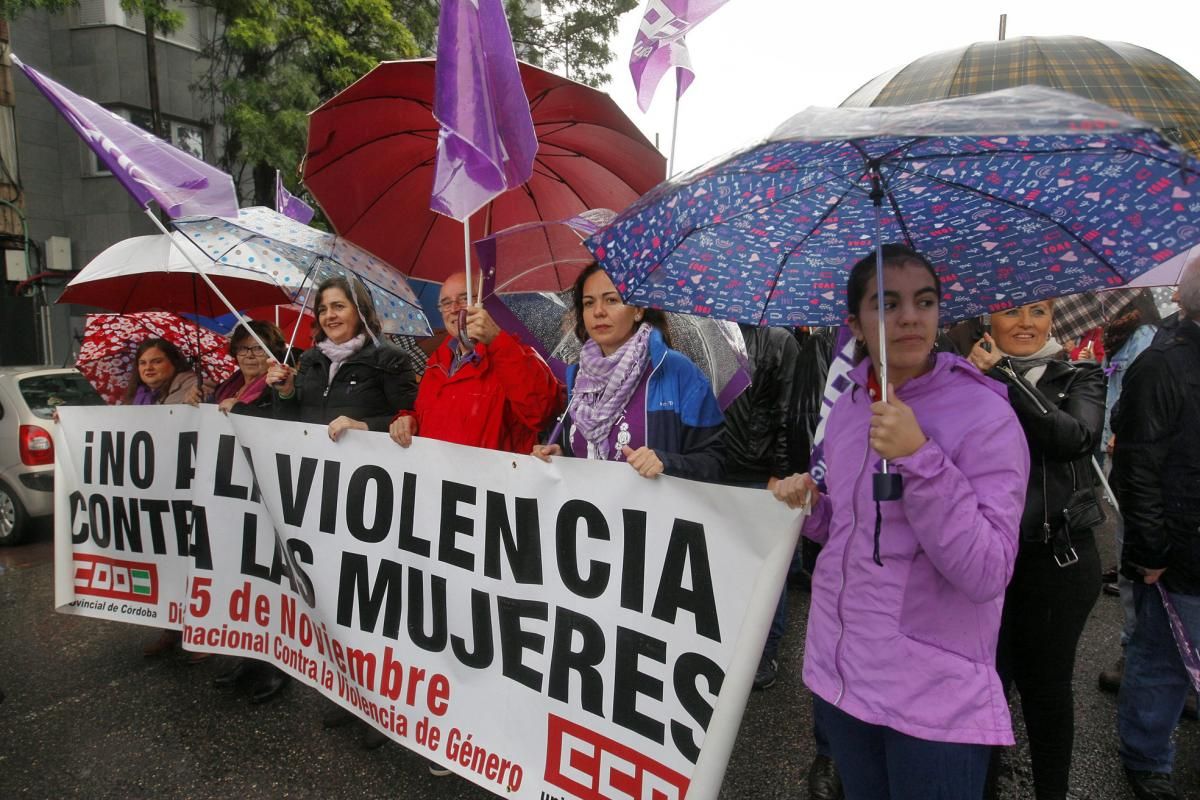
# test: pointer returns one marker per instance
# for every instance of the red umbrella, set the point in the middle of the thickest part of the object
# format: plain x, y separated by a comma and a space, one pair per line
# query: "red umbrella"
106, 357
149, 272
371, 155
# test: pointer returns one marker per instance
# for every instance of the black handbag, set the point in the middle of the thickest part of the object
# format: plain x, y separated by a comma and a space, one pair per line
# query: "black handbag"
1084, 511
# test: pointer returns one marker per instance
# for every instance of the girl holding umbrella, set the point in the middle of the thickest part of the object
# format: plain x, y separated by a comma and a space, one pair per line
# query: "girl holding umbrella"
633, 398
907, 594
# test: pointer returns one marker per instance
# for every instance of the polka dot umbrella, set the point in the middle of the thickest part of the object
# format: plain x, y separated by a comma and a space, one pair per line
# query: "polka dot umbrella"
299, 258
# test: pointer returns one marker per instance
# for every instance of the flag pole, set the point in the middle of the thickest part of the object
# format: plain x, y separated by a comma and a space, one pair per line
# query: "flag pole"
675, 122
467, 258
204, 276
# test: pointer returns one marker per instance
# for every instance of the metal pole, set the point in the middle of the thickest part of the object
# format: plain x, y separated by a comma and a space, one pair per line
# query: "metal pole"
674, 126
204, 276
1003, 25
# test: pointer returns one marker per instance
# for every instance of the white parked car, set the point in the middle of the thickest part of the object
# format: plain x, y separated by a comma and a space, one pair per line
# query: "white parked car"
28, 397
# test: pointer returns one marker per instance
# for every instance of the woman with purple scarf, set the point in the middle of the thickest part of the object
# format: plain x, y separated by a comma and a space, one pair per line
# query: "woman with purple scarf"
160, 376
631, 397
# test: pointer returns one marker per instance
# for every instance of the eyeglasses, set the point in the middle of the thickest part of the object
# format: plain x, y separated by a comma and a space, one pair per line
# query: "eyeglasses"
251, 350
451, 303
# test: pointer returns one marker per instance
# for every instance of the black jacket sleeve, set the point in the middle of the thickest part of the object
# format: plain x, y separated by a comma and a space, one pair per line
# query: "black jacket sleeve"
1060, 432
399, 384
1149, 411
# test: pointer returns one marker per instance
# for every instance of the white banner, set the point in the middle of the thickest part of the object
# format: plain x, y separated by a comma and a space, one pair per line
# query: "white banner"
545, 630
123, 512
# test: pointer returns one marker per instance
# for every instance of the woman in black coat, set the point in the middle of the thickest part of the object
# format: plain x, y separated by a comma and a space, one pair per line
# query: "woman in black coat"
349, 379
1056, 579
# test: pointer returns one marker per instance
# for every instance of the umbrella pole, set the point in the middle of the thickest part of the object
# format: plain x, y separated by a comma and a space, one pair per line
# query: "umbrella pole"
204, 276
299, 319
886, 485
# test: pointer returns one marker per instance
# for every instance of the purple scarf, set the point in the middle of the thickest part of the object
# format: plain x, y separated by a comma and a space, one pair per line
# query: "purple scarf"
145, 396
604, 385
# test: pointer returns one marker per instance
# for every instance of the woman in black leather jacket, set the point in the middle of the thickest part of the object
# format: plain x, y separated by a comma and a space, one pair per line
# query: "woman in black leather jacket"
1056, 579
349, 379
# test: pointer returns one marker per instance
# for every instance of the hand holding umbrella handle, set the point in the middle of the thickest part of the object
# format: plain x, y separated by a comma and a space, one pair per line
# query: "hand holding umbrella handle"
282, 378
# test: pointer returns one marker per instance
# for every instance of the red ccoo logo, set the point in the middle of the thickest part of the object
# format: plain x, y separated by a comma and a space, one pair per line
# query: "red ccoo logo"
594, 767
115, 579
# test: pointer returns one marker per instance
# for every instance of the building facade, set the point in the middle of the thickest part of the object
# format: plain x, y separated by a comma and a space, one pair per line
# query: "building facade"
72, 208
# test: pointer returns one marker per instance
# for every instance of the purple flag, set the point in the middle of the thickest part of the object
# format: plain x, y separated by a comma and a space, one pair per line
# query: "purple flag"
659, 44
148, 167
289, 205
487, 142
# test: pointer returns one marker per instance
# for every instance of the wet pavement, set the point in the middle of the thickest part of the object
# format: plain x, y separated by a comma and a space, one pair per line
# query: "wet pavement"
86, 716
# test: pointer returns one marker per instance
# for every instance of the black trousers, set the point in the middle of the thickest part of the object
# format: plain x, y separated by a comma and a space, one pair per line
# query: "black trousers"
1045, 609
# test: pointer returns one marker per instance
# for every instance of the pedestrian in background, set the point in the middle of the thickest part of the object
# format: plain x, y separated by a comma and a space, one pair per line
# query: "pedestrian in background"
1156, 476
1056, 580
757, 450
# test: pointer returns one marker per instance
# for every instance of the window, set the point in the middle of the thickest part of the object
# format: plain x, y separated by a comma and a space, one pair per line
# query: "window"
187, 136
44, 393
192, 33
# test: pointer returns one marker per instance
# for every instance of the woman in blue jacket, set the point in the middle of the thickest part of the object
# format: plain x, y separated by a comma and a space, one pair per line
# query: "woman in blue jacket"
631, 397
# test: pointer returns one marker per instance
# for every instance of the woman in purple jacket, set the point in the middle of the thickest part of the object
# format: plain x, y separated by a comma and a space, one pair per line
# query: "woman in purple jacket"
907, 594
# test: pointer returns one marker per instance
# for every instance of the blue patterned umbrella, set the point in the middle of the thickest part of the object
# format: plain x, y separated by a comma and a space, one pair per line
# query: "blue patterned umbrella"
299, 257
1015, 196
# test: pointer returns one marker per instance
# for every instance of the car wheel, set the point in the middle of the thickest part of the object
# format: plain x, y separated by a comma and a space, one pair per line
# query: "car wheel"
13, 519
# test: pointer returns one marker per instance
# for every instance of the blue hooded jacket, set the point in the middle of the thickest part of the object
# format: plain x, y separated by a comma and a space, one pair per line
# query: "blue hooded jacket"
684, 424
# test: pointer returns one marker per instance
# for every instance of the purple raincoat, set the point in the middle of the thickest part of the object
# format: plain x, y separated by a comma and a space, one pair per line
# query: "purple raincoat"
911, 645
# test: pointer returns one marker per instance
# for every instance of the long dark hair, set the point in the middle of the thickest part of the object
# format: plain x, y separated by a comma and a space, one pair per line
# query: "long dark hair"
652, 315
177, 359
357, 294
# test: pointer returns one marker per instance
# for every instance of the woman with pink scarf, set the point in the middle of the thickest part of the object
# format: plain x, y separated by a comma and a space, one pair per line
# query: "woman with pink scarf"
246, 389
633, 398
351, 379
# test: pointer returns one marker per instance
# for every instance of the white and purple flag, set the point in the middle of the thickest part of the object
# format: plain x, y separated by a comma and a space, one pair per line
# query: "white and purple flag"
487, 142
289, 205
660, 46
148, 167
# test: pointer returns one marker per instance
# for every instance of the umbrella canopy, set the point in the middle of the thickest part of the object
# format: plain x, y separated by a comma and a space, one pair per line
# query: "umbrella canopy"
1078, 314
1126, 77
146, 273
372, 150
110, 341
1015, 196
539, 256
287, 318
300, 258
716, 347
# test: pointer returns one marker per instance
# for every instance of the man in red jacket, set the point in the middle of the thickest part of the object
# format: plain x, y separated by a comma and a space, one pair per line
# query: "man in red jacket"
498, 395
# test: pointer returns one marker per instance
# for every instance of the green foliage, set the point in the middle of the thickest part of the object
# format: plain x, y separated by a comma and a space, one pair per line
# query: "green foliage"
570, 37
166, 19
279, 60
12, 9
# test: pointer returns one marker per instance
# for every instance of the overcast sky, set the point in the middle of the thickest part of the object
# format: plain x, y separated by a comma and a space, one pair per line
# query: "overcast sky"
758, 62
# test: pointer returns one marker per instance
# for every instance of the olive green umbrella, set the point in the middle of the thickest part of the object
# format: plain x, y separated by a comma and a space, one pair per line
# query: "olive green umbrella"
1132, 79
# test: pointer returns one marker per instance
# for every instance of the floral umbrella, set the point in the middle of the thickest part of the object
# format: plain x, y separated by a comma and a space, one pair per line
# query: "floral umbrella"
110, 341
